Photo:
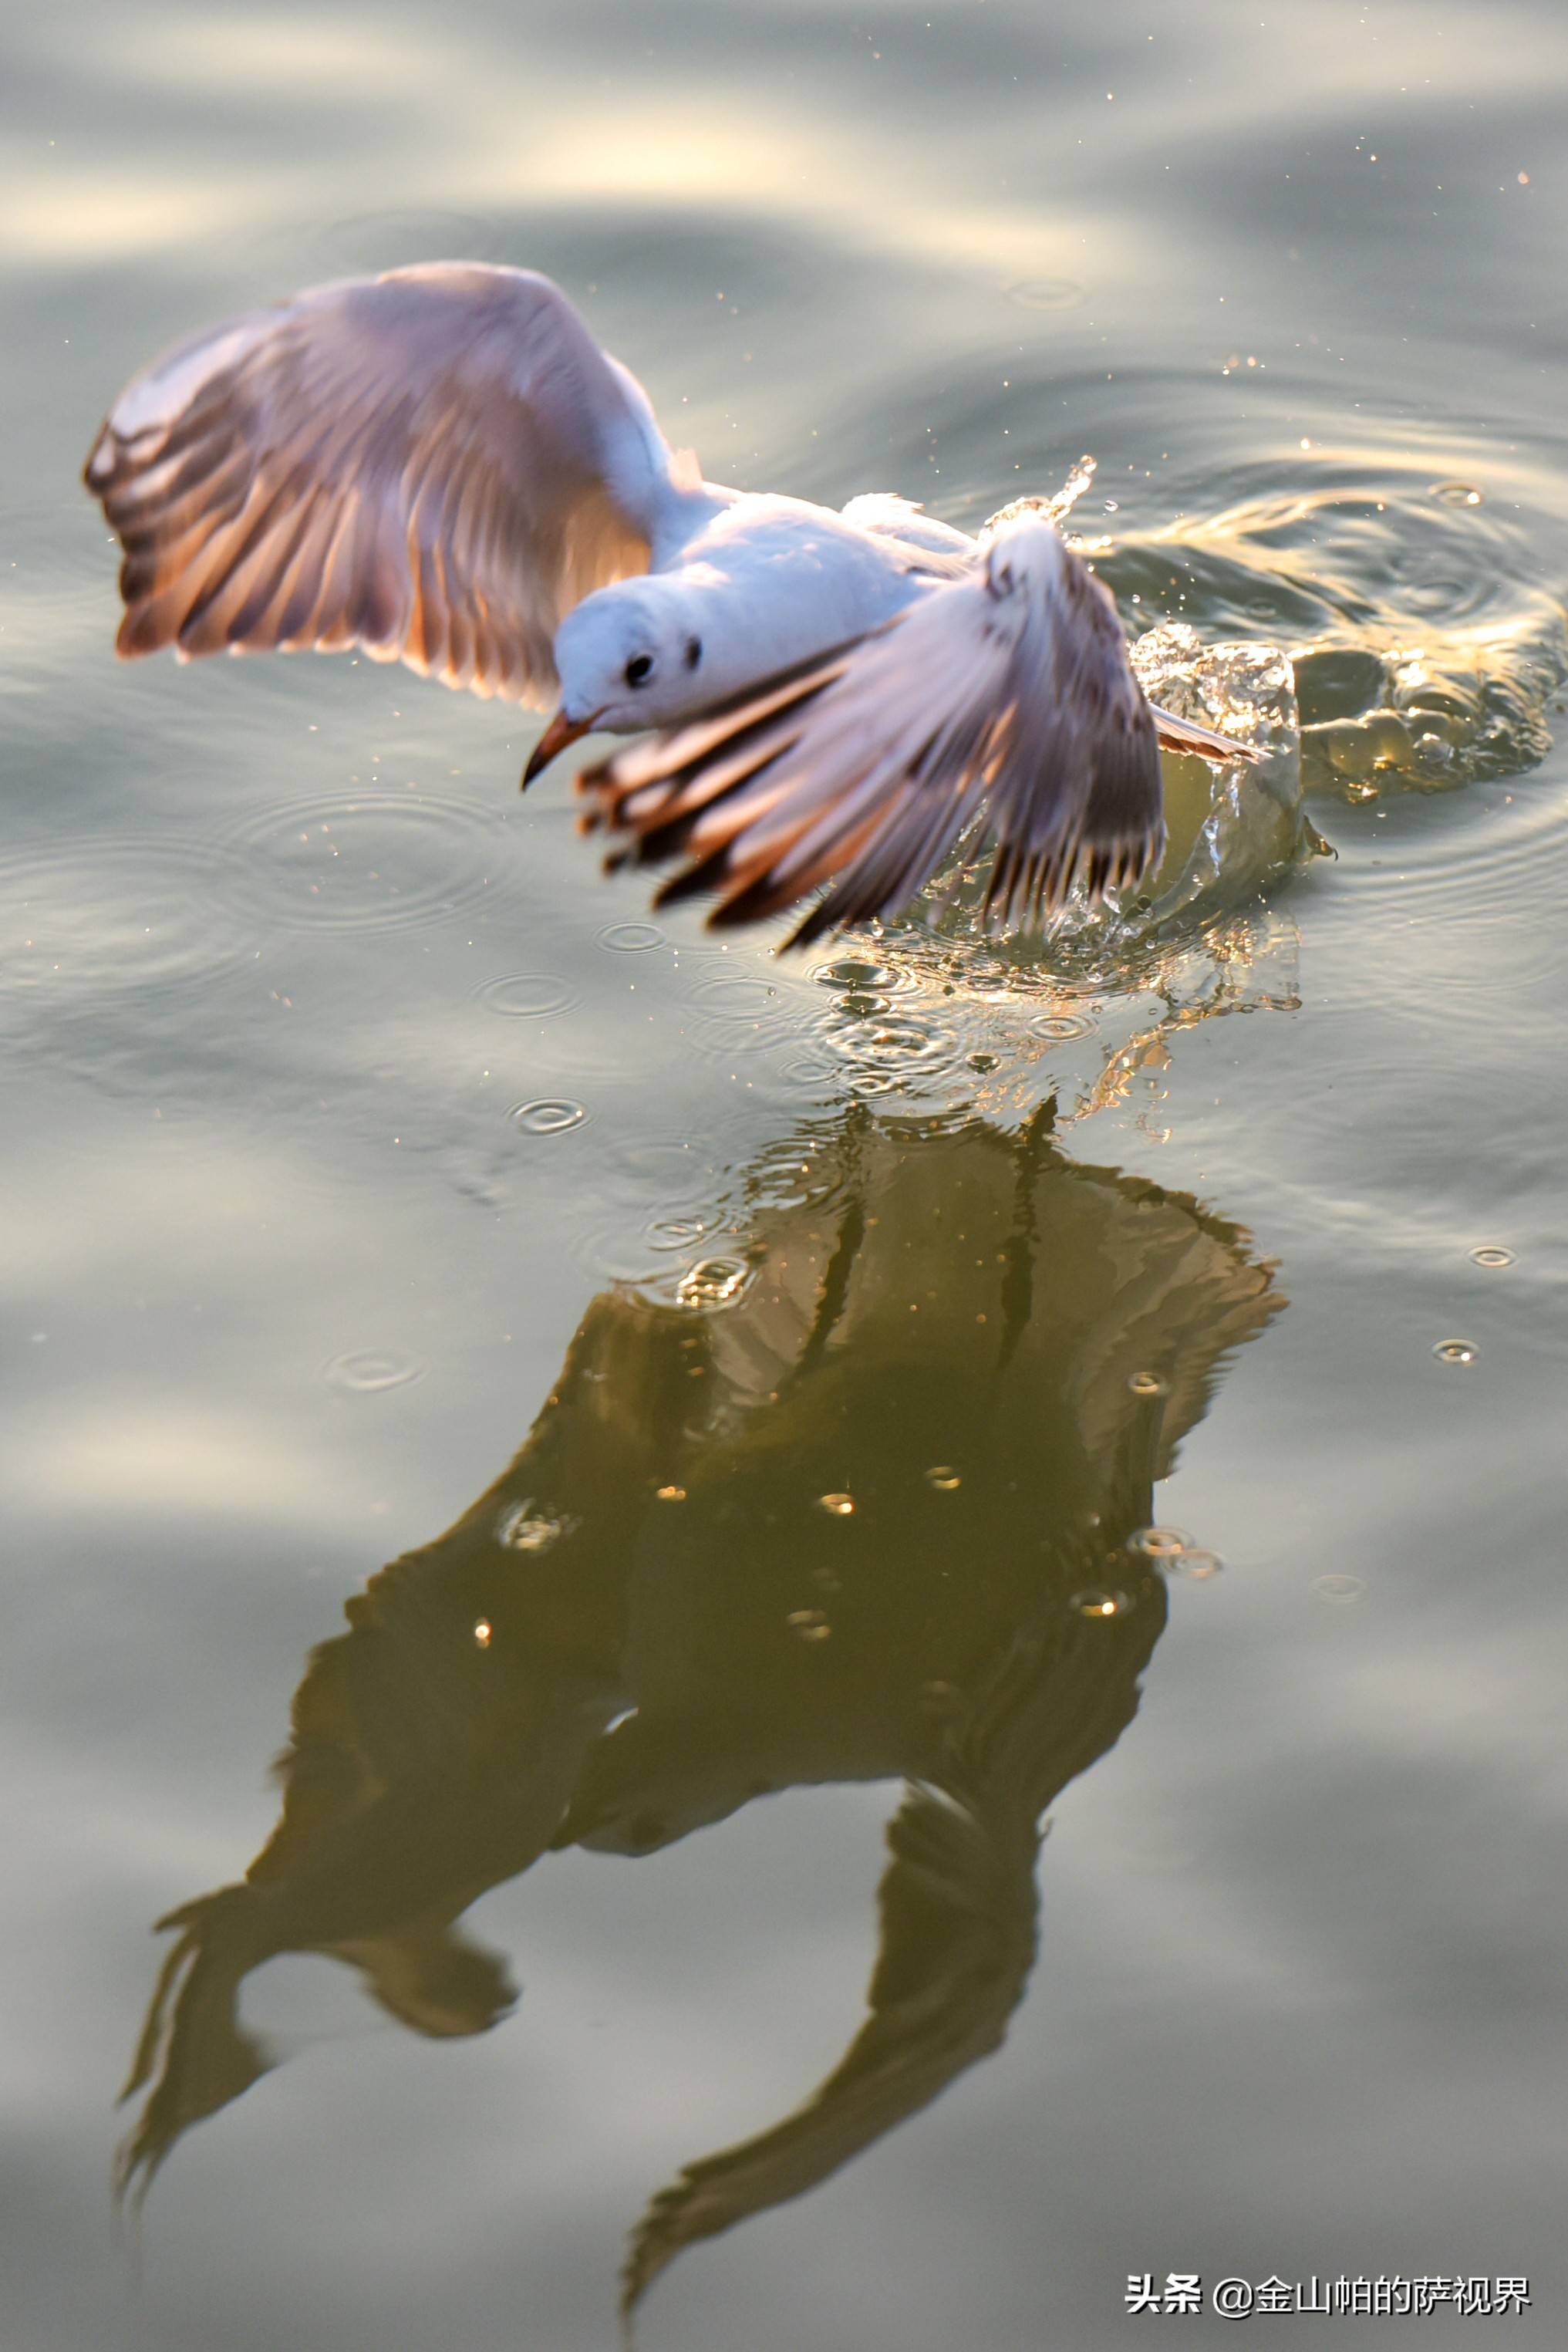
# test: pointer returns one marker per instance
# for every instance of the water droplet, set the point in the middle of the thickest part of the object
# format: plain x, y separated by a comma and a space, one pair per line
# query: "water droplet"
552, 1115
631, 938
944, 1478
1160, 1543
809, 1624
526, 995
671, 1494
840, 1507
1097, 1602
1456, 1352
369, 1369
1492, 1254
1147, 1384
713, 1282
1339, 1589
482, 1631
984, 1061
526, 1528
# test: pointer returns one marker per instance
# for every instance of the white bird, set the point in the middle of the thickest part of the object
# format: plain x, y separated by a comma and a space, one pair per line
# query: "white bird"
442, 467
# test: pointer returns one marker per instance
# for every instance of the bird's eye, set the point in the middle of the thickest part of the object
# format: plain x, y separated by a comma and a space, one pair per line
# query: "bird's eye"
694, 652
638, 667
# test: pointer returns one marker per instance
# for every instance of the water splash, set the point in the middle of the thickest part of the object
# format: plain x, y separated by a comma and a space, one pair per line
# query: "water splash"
1425, 650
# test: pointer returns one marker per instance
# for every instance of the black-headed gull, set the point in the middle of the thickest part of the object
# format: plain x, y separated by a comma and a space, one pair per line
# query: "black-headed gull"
442, 467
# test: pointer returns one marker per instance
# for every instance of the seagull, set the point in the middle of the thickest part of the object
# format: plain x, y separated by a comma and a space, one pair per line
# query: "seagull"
440, 467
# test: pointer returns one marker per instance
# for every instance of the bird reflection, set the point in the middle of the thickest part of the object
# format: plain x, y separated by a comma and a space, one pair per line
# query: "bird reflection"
869, 1517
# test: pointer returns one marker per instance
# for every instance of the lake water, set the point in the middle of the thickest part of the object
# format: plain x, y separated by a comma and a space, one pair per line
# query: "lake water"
794, 1353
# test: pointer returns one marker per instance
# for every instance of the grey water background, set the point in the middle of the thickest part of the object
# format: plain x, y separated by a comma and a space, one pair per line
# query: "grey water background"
341, 1095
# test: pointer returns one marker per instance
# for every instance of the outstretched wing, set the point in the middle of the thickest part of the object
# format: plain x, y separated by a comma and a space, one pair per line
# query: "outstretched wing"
1000, 702
434, 464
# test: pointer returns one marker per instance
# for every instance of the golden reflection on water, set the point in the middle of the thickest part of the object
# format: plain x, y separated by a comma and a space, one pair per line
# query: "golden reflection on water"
846, 1527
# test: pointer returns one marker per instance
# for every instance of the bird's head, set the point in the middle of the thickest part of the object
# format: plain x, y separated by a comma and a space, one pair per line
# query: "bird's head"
637, 654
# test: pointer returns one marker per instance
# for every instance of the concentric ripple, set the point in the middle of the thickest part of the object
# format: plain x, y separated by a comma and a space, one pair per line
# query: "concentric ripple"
631, 938
654, 1207
548, 1115
368, 1371
526, 995
78, 922
737, 1013
363, 861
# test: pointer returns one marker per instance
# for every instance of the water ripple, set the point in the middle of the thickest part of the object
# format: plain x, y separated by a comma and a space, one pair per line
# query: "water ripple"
363, 861
80, 922
550, 1115
368, 1371
526, 995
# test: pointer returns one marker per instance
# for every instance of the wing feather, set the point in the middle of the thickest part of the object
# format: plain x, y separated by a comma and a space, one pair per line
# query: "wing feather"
1000, 704
436, 465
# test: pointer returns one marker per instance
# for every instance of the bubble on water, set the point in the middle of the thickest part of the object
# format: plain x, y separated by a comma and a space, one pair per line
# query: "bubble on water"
838, 1506
944, 1477
713, 1282
525, 1528
551, 1115
1147, 1384
670, 1493
483, 1629
1457, 494
1199, 1566
1058, 1026
631, 938
1098, 1600
1492, 1254
1159, 1542
1456, 1352
1338, 1588
526, 995
809, 1624
369, 1369
984, 1063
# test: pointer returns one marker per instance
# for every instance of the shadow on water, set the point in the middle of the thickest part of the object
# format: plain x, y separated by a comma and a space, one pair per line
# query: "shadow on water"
873, 1516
